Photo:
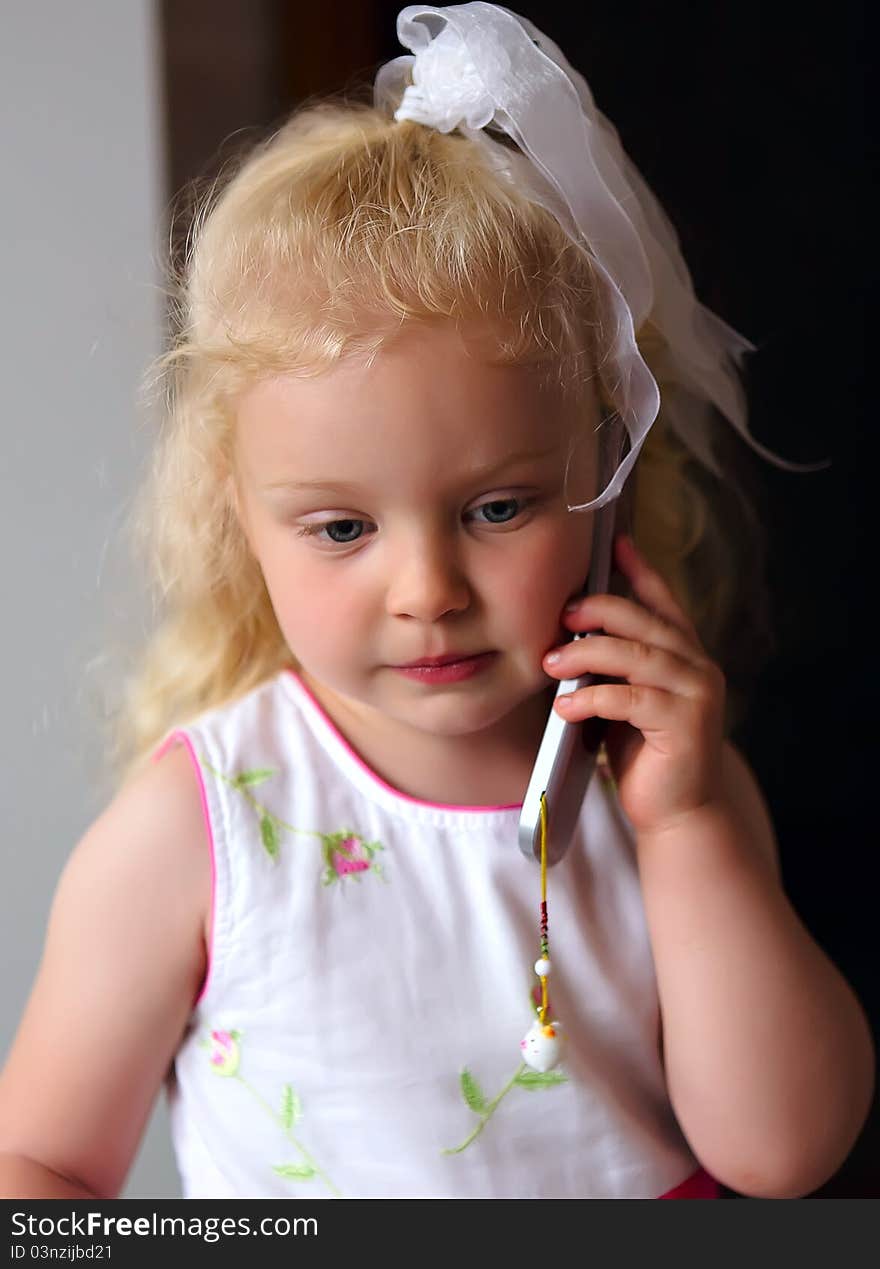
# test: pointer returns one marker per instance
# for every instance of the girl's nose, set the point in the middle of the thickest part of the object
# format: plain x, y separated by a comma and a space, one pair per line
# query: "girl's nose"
427, 584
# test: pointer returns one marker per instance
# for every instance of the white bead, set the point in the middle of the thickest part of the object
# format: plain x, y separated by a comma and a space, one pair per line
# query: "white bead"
542, 967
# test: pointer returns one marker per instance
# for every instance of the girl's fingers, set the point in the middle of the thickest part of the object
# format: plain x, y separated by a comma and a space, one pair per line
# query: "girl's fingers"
642, 664
649, 709
661, 623
625, 619
650, 588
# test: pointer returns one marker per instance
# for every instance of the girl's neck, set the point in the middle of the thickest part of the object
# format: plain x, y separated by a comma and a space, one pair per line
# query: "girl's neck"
480, 770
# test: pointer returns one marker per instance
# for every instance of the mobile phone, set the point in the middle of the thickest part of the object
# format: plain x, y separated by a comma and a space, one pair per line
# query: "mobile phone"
566, 758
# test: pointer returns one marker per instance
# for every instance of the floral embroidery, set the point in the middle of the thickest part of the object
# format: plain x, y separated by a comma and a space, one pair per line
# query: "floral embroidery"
345, 853
523, 1077
225, 1059
475, 1099
225, 1054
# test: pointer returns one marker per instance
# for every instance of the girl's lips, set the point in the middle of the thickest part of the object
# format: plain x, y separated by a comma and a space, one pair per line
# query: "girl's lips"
451, 672
430, 663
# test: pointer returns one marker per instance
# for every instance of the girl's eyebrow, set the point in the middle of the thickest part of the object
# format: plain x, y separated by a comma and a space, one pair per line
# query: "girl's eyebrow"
479, 473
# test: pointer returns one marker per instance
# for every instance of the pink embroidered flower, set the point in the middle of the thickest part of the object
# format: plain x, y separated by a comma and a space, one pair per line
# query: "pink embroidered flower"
225, 1052
347, 854
349, 857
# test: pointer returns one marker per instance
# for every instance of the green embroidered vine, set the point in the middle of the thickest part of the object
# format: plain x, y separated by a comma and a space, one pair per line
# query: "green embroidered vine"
225, 1059
345, 853
476, 1100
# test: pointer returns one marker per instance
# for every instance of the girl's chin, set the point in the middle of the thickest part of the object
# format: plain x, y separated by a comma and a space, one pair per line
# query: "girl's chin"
462, 709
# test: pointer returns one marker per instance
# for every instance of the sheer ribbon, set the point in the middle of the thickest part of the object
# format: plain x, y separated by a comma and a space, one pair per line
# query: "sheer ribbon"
479, 65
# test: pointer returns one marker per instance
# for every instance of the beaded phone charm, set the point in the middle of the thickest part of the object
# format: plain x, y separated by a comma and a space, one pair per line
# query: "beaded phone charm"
542, 1044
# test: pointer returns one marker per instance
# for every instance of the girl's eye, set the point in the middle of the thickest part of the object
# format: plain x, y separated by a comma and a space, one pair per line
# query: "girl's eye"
345, 532
346, 528
496, 507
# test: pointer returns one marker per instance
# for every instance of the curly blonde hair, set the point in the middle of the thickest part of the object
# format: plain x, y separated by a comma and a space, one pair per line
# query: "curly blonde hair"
321, 242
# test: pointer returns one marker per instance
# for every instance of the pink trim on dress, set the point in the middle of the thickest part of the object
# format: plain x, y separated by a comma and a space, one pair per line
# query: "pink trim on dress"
389, 788
700, 1185
163, 748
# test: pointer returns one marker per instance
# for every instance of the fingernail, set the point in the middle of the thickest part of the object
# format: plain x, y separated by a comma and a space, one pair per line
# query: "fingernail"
572, 604
552, 657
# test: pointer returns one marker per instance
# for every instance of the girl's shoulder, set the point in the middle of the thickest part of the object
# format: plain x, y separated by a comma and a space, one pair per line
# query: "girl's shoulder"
123, 961
174, 784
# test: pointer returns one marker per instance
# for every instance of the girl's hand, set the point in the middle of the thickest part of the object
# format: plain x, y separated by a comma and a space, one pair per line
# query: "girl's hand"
665, 749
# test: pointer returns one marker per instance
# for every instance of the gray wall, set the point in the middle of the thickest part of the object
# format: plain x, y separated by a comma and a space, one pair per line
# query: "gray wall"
82, 313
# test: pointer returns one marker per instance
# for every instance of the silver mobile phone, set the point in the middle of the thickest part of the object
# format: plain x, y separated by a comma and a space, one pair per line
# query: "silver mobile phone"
566, 757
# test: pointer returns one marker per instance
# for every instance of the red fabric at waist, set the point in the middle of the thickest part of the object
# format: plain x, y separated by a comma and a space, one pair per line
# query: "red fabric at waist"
698, 1186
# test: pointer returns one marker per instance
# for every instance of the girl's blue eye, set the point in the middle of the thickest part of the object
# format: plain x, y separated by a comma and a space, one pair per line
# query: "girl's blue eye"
495, 504
310, 530
346, 527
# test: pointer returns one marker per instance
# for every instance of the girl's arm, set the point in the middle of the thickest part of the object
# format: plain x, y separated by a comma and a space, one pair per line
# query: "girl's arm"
22, 1178
123, 961
769, 1057
768, 1054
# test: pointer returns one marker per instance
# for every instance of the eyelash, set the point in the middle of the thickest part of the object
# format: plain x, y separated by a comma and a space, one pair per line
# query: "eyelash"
312, 530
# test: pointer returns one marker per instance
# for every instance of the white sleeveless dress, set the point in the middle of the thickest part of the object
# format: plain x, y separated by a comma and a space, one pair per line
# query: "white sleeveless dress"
371, 976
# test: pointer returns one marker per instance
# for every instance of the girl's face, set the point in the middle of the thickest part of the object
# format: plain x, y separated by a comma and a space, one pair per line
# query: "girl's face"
414, 509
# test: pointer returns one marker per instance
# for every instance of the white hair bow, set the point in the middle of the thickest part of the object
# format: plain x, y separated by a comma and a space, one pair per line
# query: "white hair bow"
479, 64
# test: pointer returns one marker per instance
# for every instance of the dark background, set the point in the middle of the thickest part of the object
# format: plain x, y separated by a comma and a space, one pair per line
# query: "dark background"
748, 121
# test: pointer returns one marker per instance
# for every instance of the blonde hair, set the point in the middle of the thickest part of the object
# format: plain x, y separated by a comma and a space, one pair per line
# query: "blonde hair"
321, 243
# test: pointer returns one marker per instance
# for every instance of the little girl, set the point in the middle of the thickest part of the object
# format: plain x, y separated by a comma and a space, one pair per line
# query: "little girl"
412, 333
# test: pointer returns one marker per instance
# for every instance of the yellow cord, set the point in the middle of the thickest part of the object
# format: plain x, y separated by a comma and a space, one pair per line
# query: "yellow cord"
543, 898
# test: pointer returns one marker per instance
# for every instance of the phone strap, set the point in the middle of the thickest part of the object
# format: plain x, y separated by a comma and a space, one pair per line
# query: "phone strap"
542, 1044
